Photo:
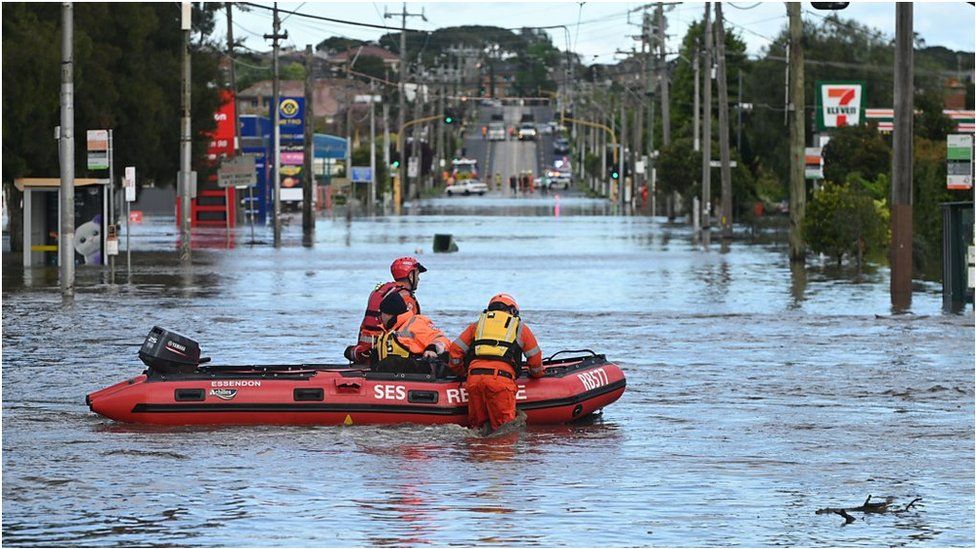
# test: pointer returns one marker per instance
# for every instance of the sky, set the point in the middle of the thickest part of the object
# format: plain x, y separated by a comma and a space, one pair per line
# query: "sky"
596, 30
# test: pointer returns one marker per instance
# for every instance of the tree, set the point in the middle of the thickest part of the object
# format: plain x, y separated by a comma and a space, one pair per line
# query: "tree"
858, 149
843, 219
679, 167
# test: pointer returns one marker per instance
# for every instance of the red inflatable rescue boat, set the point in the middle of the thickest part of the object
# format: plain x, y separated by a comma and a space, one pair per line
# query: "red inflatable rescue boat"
177, 390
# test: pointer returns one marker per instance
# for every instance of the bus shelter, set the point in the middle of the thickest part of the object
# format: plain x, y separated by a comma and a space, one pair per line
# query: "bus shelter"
42, 220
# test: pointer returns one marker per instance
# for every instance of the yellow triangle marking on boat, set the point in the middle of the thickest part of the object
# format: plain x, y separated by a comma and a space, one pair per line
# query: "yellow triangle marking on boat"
348, 420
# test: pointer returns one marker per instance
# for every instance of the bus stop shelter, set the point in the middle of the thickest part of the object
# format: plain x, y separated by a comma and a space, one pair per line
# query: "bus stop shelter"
42, 220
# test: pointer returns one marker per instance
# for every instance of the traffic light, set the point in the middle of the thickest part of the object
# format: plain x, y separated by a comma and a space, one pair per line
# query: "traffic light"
396, 163
449, 117
615, 174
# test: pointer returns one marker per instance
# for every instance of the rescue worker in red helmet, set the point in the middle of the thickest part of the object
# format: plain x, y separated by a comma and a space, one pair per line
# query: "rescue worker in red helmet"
406, 337
490, 350
406, 277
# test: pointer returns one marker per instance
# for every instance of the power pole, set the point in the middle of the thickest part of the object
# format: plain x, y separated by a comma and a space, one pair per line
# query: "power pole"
723, 125
623, 154
706, 203
276, 122
738, 130
233, 77
308, 220
697, 116
663, 77
401, 114
797, 106
66, 245
185, 138
371, 206
901, 162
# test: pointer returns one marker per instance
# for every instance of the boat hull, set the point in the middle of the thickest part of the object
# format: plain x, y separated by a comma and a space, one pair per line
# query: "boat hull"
305, 395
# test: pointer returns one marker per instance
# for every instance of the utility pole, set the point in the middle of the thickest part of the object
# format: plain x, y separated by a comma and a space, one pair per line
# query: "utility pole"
66, 245
697, 117
623, 149
706, 203
275, 36
797, 106
401, 111
308, 219
901, 162
371, 206
723, 125
738, 128
185, 137
663, 77
237, 107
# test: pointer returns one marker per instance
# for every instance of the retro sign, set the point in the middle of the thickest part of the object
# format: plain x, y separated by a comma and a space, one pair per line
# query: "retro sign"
839, 104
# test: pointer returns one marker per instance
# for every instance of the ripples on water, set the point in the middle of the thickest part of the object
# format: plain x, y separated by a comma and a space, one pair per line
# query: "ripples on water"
756, 395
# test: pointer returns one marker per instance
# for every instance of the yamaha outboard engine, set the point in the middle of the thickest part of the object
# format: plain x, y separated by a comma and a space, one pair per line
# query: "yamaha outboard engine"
167, 352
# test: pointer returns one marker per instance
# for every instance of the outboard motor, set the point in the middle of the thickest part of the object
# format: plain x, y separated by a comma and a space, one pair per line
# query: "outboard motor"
167, 352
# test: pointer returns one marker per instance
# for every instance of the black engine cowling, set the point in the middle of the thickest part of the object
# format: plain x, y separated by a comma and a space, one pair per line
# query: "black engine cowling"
167, 352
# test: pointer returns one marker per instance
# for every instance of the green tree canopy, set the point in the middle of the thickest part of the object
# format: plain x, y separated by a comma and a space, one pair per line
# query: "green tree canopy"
126, 77
858, 149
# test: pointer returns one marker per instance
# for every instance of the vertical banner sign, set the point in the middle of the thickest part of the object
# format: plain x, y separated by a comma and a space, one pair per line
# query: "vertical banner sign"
813, 165
291, 112
959, 157
97, 149
839, 104
130, 183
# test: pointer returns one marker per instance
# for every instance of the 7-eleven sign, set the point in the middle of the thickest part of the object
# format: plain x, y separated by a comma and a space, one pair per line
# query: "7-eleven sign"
839, 104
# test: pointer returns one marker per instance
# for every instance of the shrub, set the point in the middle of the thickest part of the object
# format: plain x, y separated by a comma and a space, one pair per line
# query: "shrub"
845, 219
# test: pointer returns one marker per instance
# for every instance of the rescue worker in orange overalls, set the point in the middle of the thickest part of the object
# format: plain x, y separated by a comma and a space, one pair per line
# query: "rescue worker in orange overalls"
491, 349
406, 337
406, 277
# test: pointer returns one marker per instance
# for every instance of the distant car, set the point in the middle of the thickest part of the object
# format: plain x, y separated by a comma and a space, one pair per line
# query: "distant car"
466, 187
527, 131
562, 180
496, 131
546, 128
560, 145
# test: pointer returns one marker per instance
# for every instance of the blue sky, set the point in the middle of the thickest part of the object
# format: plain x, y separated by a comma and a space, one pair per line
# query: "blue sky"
604, 26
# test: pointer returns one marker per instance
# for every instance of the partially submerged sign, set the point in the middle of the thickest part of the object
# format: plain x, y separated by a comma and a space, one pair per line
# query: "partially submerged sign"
237, 172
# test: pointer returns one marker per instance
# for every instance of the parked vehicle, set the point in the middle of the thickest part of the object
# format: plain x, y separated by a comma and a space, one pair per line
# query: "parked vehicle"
467, 187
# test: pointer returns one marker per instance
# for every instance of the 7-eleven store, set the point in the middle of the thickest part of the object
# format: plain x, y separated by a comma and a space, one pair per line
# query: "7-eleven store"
965, 120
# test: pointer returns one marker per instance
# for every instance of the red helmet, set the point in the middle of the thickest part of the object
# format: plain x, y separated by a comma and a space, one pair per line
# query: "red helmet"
504, 299
402, 267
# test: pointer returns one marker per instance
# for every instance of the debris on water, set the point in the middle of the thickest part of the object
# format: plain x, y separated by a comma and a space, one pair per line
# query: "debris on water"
867, 507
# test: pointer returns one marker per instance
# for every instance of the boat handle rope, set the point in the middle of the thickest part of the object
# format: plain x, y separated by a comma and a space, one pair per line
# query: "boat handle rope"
552, 356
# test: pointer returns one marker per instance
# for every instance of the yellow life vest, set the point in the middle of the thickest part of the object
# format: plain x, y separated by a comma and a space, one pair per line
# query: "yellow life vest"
495, 338
387, 345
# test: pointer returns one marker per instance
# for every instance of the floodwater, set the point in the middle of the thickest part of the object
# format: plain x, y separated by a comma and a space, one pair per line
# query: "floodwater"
756, 394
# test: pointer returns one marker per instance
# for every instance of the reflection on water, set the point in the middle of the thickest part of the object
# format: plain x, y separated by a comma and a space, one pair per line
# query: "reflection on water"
757, 393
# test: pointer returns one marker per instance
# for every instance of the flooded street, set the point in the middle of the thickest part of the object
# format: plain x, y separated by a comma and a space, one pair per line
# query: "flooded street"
755, 394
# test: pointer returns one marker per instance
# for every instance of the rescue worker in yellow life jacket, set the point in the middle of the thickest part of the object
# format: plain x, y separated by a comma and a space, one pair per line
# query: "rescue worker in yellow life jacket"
406, 337
406, 277
491, 350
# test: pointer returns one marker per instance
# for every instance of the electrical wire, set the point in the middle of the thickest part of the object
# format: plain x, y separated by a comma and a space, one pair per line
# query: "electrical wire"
333, 20
757, 4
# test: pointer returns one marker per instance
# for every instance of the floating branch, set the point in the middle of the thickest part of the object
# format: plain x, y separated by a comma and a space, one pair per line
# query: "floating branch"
867, 507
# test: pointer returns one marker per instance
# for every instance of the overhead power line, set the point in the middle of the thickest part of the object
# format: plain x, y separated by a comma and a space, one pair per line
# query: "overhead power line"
332, 20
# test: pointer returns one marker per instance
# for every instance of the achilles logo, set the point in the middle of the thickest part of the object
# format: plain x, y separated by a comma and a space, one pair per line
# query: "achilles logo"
223, 394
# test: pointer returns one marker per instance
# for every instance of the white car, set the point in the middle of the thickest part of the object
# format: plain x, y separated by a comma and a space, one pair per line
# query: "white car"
466, 187
526, 131
562, 180
496, 131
